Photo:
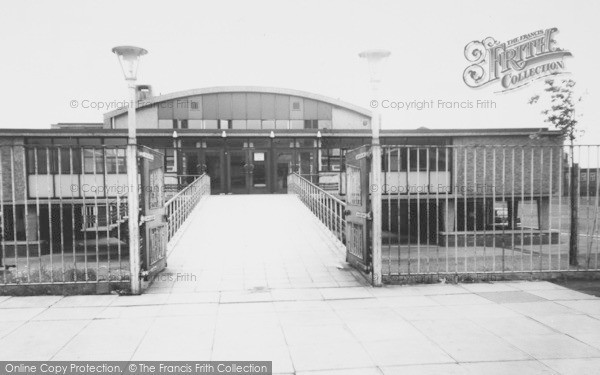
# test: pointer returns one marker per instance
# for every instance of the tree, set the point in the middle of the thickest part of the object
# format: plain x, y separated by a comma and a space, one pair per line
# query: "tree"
562, 116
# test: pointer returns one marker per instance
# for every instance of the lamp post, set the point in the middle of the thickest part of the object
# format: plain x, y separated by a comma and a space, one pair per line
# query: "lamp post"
375, 59
129, 58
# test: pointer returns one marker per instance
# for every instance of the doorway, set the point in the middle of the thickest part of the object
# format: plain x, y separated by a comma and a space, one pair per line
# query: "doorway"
248, 171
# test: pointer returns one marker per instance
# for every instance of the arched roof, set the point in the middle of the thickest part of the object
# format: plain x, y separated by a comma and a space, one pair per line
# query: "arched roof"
245, 89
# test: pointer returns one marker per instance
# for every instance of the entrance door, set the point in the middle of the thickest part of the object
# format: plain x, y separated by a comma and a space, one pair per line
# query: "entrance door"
153, 229
213, 166
237, 171
306, 162
283, 167
357, 206
258, 173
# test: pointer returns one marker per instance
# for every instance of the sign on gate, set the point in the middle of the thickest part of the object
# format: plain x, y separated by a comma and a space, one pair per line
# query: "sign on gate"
357, 208
153, 228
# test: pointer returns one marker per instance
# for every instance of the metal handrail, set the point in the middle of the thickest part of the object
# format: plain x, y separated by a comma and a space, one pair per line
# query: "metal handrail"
326, 207
179, 207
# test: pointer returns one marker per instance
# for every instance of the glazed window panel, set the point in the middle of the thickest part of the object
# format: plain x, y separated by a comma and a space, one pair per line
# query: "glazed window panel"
93, 160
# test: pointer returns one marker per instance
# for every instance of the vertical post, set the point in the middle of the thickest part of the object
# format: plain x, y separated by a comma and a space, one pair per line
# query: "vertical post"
376, 197
133, 192
574, 192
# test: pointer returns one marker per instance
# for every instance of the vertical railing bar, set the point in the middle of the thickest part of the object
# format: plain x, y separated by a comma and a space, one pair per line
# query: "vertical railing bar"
578, 197
418, 210
485, 213
427, 208
447, 189
60, 212
72, 188
503, 203
398, 214
540, 203
550, 196
14, 204
561, 181
465, 212
591, 229
37, 207
3, 219
408, 170
84, 215
118, 202
494, 250
96, 213
387, 152
105, 155
513, 217
531, 201
456, 197
50, 236
475, 201
597, 203
437, 206
522, 208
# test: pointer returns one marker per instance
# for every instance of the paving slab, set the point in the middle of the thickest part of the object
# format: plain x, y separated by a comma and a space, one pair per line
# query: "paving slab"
276, 288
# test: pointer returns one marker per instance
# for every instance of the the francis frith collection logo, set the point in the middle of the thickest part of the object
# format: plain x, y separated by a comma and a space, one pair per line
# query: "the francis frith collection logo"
514, 63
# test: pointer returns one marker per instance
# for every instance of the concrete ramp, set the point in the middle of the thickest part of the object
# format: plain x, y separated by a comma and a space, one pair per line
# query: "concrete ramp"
246, 242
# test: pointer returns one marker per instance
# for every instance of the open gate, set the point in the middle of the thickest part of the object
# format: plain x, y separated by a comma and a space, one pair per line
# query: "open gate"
153, 228
358, 252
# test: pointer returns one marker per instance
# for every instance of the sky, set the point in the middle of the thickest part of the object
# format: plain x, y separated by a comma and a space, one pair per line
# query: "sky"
60, 51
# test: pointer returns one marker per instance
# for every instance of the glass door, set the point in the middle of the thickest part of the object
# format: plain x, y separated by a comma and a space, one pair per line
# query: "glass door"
306, 161
213, 166
259, 171
238, 171
283, 166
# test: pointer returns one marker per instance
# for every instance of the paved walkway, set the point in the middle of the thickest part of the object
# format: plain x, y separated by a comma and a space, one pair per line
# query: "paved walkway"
260, 280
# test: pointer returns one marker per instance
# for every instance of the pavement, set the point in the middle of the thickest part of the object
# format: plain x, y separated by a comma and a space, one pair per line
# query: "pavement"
254, 281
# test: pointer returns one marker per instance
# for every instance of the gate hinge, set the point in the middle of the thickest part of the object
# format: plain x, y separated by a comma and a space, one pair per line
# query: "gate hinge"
364, 215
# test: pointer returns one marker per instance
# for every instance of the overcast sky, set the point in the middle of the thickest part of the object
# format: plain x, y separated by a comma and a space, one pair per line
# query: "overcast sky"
59, 51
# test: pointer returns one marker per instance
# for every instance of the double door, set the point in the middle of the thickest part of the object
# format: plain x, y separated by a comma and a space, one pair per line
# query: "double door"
249, 171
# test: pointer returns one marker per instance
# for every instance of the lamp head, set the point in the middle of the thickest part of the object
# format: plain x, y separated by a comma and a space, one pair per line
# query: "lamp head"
375, 58
129, 58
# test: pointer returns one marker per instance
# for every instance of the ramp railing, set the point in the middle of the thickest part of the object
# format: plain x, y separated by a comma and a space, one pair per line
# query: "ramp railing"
179, 207
327, 208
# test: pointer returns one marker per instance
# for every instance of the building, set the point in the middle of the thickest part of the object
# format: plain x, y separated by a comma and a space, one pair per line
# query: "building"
248, 139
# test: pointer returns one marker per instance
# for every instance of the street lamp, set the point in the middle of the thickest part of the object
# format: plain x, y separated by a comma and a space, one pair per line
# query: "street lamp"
375, 60
129, 58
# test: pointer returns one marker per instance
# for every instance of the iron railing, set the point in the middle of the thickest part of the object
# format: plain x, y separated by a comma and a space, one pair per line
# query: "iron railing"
61, 214
489, 209
327, 208
181, 205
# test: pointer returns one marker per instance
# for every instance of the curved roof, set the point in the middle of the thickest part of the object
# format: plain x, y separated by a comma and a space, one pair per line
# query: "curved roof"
252, 89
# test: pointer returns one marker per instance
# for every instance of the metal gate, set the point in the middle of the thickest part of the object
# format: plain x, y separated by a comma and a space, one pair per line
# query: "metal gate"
358, 252
153, 227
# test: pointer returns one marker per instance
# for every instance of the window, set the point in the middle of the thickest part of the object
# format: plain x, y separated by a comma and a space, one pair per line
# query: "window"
93, 160
592, 176
170, 166
116, 161
295, 106
311, 124
194, 106
331, 160
174, 124
225, 124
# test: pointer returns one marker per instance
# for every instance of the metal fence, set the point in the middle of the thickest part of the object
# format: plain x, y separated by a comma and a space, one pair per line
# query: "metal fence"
328, 209
63, 214
181, 205
466, 209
